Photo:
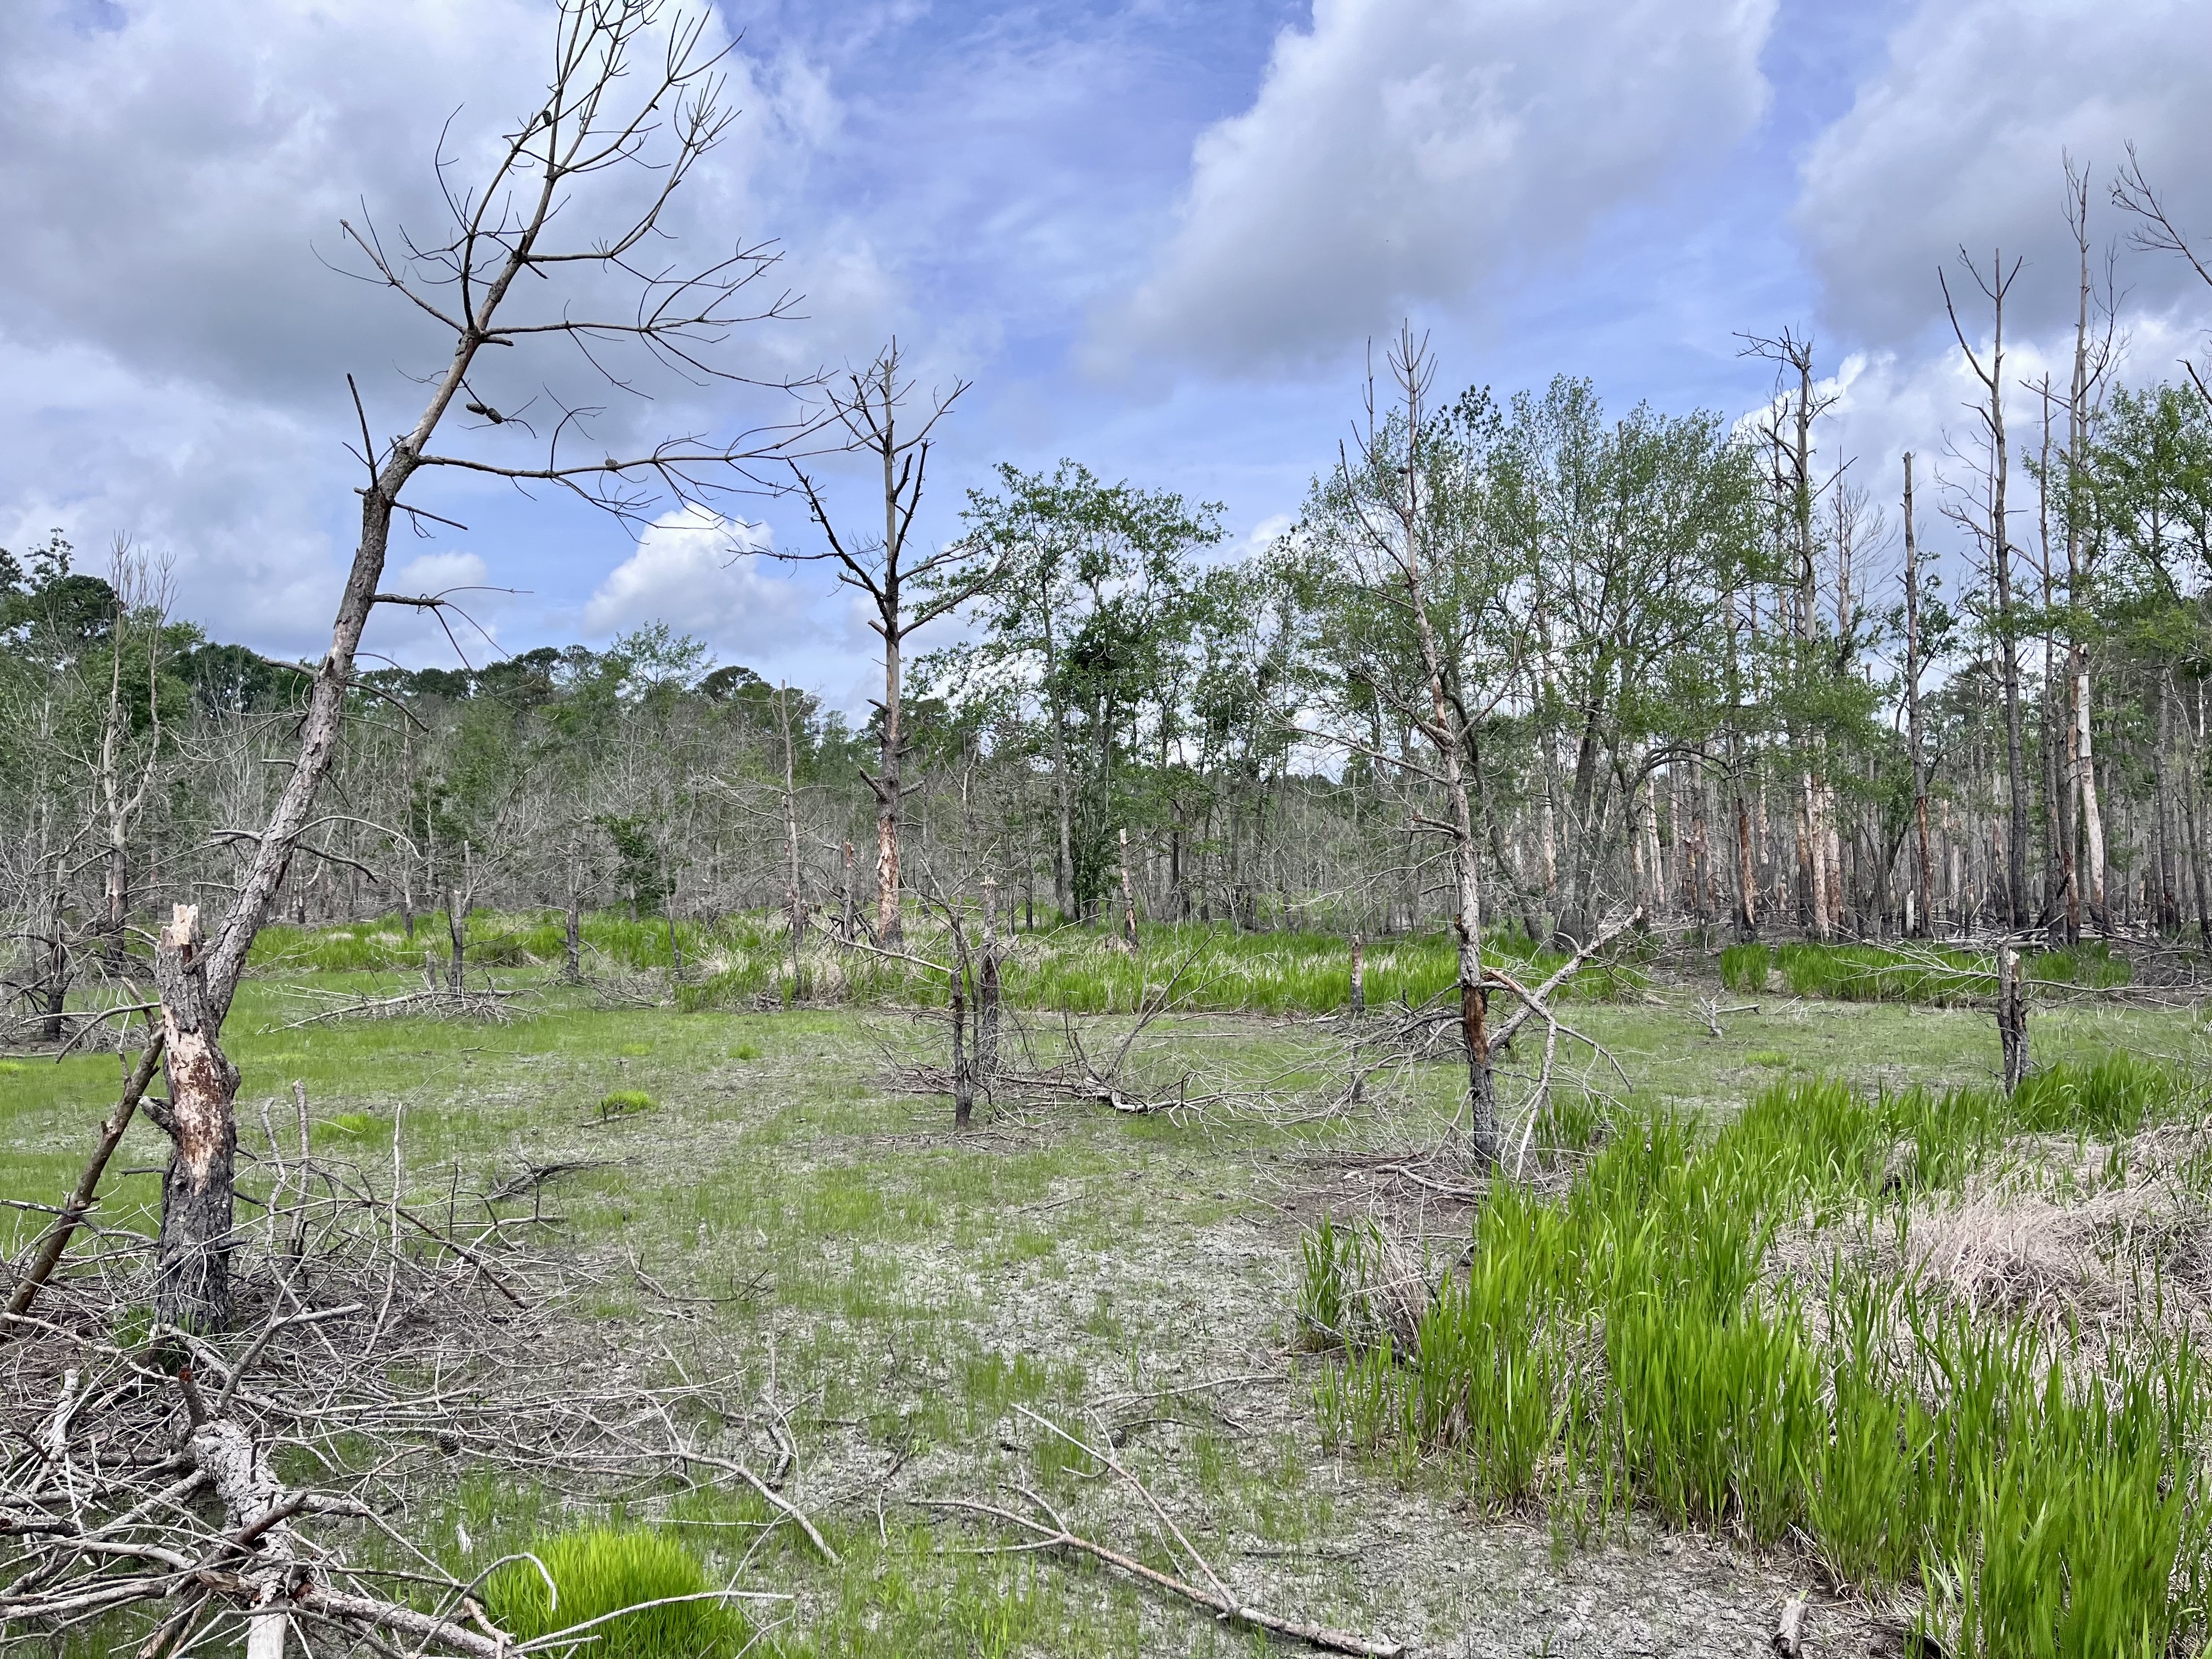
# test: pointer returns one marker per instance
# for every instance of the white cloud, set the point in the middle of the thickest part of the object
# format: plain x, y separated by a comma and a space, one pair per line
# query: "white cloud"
174, 347
1958, 139
700, 573
1400, 152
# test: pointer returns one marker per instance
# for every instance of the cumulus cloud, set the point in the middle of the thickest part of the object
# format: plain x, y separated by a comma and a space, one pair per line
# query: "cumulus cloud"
1400, 152
173, 339
1958, 139
692, 571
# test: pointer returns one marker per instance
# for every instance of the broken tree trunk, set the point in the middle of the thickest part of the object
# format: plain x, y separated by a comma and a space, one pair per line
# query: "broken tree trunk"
192, 1263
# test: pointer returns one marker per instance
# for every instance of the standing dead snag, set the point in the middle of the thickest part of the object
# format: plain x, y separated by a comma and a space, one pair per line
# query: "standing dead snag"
1402, 501
198, 1198
2012, 1017
870, 408
1128, 899
987, 987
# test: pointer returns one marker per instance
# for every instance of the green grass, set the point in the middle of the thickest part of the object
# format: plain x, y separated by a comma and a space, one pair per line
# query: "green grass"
1620, 1348
1931, 974
912, 1288
602, 1570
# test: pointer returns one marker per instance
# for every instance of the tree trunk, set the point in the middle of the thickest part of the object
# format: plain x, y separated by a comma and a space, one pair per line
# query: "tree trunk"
986, 989
2012, 1017
1359, 998
794, 907
457, 941
1128, 899
192, 1286
118, 900
963, 1084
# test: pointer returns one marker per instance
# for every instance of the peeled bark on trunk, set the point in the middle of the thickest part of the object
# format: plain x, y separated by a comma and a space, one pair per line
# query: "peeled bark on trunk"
2093, 820
199, 1197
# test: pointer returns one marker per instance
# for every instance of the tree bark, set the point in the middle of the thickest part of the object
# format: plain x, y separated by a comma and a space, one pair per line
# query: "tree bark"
192, 1287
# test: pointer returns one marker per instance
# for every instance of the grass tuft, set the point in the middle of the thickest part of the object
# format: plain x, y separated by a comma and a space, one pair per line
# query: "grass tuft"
602, 1570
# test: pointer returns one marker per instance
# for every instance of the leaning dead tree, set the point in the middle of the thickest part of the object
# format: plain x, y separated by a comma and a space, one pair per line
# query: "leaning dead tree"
636, 101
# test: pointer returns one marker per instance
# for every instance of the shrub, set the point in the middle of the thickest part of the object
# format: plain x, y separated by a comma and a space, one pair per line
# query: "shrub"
602, 1570
622, 1102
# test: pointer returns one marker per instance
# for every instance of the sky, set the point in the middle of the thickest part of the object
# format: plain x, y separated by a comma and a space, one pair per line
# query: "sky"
1156, 237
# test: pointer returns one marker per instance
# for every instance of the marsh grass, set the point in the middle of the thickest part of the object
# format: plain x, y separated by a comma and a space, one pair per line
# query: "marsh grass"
1936, 975
1622, 1346
602, 1570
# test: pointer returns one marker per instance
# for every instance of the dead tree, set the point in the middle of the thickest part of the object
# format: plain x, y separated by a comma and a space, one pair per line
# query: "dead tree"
1129, 940
794, 900
2012, 1017
1995, 534
1398, 540
870, 408
122, 796
634, 95
1924, 869
987, 988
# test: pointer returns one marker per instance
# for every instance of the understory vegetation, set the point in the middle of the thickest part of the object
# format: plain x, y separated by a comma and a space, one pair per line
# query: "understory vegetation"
1744, 1328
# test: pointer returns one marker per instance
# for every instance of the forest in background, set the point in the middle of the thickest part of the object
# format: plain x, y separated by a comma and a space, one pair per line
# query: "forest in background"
1695, 671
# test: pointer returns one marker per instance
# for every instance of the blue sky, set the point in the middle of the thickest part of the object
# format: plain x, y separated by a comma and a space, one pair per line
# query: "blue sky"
1156, 237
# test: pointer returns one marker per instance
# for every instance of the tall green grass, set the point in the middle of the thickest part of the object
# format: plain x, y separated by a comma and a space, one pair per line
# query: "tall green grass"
1937, 975
734, 960
1620, 1348
602, 1570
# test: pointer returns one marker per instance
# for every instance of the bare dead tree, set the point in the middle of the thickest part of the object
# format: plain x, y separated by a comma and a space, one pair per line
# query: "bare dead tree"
1924, 865
634, 94
1787, 432
871, 408
2156, 232
2093, 361
126, 764
794, 900
1996, 537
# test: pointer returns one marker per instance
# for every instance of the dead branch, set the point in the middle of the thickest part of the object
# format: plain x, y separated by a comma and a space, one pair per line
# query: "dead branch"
1054, 1533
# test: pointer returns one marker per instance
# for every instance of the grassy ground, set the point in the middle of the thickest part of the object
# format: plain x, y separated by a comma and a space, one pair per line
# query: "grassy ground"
1134, 1274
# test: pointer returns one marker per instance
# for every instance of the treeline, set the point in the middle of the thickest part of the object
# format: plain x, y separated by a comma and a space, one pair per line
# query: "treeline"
1673, 666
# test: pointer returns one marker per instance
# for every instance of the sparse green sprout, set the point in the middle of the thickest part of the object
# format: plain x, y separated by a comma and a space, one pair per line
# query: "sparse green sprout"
602, 1570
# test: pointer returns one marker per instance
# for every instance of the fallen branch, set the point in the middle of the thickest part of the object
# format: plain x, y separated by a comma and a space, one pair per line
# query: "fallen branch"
1225, 1602
88, 1188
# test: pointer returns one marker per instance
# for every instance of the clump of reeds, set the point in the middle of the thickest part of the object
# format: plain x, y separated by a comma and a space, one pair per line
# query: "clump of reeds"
1623, 1345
